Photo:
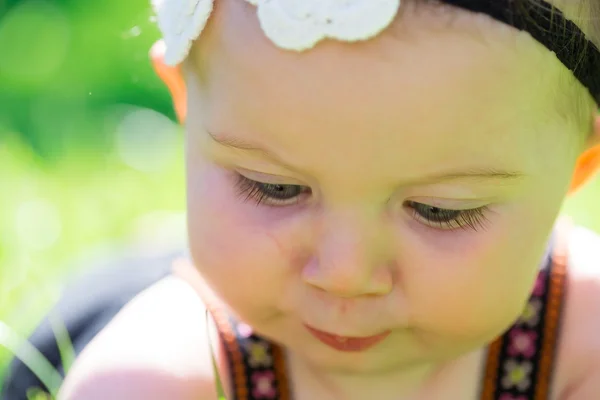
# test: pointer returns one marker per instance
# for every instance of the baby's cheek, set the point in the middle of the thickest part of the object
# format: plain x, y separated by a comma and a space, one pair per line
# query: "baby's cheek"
242, 256
477, 290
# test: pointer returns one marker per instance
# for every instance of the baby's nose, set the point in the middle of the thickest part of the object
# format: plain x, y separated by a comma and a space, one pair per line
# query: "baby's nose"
352, 259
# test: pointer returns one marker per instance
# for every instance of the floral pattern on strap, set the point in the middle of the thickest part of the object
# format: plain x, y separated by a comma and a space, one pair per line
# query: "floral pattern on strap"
263, 385
258, 367
522, 342
258, 353
517, 374
518, 368
532, 314
521, 346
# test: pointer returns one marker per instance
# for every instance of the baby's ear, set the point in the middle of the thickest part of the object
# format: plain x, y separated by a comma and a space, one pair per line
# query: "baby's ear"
172, 77
588, 163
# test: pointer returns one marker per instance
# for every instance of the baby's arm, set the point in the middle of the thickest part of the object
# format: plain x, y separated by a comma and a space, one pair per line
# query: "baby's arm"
156, 348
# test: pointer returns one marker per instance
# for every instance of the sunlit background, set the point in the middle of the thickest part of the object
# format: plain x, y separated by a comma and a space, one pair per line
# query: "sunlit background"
90, 158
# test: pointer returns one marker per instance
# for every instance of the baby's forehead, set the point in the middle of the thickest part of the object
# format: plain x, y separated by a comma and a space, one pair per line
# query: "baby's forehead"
300, 25
437, 48
234, 25
411, 85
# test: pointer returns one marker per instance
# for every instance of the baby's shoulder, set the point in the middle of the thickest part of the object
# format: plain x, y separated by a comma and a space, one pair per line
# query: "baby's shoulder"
584, 252
579, 351
155, 348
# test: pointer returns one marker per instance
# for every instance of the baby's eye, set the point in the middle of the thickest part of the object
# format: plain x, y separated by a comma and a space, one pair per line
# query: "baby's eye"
447, 219
273, 194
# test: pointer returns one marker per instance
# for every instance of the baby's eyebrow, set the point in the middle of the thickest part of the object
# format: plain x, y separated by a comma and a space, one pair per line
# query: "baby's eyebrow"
483, 174
235, 143
241, 144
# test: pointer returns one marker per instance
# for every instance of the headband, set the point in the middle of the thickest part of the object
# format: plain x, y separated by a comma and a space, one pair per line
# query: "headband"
299, 25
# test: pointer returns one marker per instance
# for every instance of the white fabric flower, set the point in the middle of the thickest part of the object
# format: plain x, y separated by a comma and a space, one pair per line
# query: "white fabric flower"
181, 22
300, 24
290, 24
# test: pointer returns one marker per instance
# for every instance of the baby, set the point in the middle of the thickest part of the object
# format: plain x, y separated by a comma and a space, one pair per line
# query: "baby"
373, 199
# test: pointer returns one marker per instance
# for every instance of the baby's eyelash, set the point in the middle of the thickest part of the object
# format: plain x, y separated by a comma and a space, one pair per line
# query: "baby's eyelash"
279, 195
447, 219
247, 189
268, 193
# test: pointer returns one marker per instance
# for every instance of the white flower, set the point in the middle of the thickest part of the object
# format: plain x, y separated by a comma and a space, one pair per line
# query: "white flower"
181, 22
300, 24
290, 24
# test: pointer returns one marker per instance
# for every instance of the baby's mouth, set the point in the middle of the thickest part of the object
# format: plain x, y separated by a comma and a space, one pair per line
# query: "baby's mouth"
347, 343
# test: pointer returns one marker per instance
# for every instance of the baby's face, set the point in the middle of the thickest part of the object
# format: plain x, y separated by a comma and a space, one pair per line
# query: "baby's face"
407, 184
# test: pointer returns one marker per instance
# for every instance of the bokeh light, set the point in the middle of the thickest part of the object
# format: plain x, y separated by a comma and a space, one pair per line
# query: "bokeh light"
38, 224
146, 140
34, 38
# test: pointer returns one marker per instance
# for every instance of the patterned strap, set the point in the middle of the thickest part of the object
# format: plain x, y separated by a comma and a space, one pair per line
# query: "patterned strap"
520, 363
256, 366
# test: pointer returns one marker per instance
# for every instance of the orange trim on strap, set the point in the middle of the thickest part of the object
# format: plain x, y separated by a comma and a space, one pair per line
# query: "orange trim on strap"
556, 294
240, 382
492, 368
186, 271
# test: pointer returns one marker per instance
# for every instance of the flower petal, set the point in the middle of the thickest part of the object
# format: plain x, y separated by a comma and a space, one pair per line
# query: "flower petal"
300, 24
181, 22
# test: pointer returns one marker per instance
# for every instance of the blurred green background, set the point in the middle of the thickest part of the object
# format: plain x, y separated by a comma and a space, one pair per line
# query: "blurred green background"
90, 158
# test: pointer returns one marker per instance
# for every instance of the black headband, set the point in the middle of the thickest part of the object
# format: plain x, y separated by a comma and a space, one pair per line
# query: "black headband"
549, 26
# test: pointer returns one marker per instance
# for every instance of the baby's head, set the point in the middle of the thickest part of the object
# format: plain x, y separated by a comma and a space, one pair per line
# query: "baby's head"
405, 183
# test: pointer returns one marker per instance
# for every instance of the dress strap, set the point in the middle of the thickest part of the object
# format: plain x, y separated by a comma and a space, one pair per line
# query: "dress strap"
256, 366
520, 363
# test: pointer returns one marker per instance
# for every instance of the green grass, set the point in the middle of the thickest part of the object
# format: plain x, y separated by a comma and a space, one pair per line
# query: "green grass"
50, 218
